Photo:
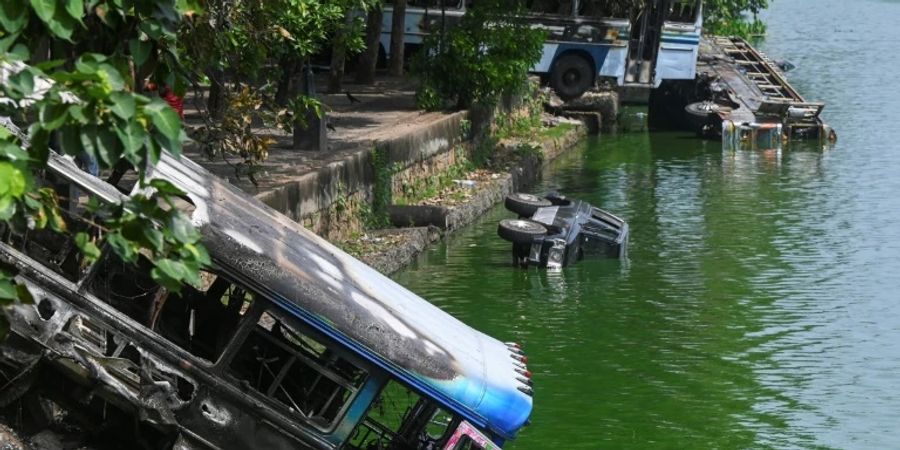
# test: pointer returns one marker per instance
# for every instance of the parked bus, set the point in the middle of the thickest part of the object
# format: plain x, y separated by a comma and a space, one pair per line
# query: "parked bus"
287, 343
659, 42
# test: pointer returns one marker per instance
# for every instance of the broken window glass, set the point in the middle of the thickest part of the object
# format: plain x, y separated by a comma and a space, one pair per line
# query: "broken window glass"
683, 11
200, 319
401, 419
298, 371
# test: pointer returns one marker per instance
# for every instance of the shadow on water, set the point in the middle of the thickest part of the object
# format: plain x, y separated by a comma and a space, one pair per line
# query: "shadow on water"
758, 305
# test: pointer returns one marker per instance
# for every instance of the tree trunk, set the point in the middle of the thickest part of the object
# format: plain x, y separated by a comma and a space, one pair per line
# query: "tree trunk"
283, 91
398, 26
339, 54
368, 60
215, 104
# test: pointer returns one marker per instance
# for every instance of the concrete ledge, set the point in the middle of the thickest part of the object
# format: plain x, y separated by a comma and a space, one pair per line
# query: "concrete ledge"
405, 245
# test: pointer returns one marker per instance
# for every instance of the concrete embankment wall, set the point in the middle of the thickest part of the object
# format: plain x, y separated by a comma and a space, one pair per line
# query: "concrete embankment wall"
339, 200
335, 201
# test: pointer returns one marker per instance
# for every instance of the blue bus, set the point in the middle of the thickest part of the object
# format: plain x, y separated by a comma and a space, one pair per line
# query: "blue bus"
659, 42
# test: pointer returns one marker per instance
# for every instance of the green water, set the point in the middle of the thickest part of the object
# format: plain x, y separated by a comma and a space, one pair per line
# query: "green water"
759, 304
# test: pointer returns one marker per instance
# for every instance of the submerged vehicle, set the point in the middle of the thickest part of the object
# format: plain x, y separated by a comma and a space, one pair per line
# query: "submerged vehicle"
554, 231
289, 342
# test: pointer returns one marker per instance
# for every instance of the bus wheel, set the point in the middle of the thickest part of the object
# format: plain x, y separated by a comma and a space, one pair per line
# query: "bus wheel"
571, 76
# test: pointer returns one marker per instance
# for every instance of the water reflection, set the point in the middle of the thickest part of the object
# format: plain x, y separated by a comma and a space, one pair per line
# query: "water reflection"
758, 307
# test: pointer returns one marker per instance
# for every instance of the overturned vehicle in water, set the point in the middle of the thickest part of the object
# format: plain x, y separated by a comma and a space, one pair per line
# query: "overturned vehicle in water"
288, 343
554, 231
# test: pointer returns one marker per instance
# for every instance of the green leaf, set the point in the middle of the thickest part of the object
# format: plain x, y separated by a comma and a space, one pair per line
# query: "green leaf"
44, 9
165, 187
13, 152
164, 118
169, 273
123, 104
88, 138
40, 144
22, 82
13, 181
47, 66
8, 292
152, 28
7, 207
24, 295
75, 8
76, 112
140, 51
70, 140
7, 42
132, 135
53, 115
153, 238
198, 253
56, 220
110, 74
154, 151
108, 147
19, 52
13, 16
62, 26
122, 247
87, 246
89, 62
182, 230
172, 145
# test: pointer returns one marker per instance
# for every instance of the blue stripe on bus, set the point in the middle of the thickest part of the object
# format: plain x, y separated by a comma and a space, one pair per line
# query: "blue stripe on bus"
597, 52
679, 41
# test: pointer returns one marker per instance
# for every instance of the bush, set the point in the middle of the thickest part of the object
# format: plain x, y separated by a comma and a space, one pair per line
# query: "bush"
487, 54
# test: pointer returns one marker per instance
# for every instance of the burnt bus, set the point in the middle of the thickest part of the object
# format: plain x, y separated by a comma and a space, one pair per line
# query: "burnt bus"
289, 342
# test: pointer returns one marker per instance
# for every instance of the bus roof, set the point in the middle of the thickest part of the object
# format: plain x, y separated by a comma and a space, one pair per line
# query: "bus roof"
464, 370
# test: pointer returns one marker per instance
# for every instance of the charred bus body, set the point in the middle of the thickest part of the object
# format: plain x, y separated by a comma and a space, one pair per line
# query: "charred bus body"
289, 343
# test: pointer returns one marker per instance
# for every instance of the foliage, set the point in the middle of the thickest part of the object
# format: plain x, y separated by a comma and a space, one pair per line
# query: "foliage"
524, 121
233, 134
382, 189
71, 70
261, 45
729, 17
487, 54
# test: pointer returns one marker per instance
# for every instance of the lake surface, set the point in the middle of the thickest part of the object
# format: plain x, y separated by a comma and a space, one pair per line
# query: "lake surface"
760, 305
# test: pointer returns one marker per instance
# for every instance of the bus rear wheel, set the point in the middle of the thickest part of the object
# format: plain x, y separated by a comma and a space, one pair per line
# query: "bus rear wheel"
571, 76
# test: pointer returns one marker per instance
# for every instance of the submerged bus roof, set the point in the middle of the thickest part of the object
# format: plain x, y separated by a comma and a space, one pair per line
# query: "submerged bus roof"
464, 370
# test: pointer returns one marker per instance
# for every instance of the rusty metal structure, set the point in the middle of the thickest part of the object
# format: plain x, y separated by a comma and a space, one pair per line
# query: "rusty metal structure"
289, 343
741, 95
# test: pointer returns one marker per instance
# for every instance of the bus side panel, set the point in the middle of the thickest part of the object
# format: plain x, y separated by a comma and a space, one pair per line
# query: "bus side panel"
547, 57
596, 54
416, 25
675, 62
615, 63
678, 50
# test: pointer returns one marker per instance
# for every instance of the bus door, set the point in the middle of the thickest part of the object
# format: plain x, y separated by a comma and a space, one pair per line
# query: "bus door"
679, 43
644, 42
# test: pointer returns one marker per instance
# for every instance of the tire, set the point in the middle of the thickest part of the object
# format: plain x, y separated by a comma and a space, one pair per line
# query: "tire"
520, 231
571, 76
525, 205
702, 114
